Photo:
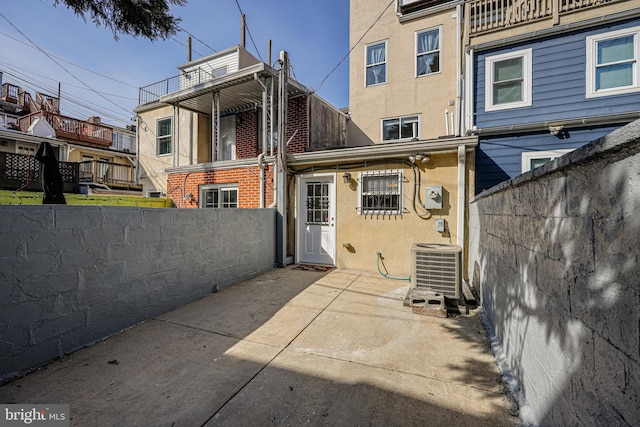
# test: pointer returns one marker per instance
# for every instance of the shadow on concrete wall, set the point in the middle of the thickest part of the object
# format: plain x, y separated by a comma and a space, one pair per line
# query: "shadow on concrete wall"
558, 264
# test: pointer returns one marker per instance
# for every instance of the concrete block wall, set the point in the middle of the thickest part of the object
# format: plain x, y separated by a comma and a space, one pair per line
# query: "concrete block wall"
555, 254
72, 275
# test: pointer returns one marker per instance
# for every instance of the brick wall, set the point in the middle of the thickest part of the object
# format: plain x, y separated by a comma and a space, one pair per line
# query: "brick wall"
247, 134
72, 275
246, 178
556, 257
247, 130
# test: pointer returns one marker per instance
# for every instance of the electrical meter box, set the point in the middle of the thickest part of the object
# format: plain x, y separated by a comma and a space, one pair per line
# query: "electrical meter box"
433, 197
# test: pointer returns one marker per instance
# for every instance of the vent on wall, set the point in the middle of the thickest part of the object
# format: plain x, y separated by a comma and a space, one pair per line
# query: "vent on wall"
436, 268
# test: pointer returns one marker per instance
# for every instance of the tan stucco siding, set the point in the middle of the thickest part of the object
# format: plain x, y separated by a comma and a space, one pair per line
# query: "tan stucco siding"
403, 93
393, 235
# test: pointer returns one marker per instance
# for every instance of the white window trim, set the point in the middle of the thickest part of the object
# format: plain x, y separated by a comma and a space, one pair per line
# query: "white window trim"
386, 62
154, 194
415, 57
527, 156
526, 55
158, 137
387, 172
208, 187
418, 131
592, 55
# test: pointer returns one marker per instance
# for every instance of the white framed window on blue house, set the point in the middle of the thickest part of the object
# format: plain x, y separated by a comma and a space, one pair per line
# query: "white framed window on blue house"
428, 52
612, 63
219, 196
508, 80
163, 136
380, 192
535, 159
376, 63
405, 128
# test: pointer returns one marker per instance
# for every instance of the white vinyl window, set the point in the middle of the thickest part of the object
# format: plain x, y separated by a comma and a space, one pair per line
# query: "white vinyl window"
508, 80
380, 193
428, 52
376, 63
219, 196
612, 63
163, 136
535, 159
403, 128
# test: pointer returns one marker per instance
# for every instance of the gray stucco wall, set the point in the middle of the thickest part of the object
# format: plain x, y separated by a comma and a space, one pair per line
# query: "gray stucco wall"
555, 254
72, 275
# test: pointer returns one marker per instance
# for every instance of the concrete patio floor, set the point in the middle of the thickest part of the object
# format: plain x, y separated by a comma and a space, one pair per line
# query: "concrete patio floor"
289, 347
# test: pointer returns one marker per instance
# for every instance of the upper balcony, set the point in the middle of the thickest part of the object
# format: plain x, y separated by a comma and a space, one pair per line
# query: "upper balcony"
16, 97
488, 16
67, 128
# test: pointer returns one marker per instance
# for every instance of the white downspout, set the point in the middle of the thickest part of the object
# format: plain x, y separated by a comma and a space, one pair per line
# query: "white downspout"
468, 98
462, 207
457, 130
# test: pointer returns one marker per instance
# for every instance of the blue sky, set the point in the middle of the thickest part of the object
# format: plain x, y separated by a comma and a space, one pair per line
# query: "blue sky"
315, 33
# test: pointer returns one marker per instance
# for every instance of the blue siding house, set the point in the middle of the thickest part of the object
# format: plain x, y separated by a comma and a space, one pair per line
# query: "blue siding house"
538, 94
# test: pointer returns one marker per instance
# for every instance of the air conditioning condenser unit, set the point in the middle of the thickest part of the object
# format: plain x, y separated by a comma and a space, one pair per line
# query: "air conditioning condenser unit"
436, 268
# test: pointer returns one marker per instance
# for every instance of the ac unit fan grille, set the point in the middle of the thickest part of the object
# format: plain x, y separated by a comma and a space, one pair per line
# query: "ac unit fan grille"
437, 271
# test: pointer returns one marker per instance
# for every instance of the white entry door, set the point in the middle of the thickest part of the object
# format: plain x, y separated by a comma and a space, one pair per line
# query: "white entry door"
315, 219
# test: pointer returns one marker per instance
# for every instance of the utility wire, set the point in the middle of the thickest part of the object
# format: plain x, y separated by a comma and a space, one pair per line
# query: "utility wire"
354, 46
61, 66
194, 37
184, 45
14, 69
249, 31
71, 63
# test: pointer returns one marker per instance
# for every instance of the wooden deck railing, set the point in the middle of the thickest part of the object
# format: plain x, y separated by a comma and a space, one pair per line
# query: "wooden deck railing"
488, 15
107, 173
73, 129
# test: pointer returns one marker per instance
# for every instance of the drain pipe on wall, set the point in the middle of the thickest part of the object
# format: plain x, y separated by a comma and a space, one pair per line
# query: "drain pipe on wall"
462, 208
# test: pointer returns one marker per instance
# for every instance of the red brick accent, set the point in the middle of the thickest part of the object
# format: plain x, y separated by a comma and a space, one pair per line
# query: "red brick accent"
247, 179
247, 129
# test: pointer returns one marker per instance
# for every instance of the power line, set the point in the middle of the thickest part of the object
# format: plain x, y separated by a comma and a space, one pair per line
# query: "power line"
14, 68
61, 66
354, 46
75, 102
249, 31
71, 63
194, 37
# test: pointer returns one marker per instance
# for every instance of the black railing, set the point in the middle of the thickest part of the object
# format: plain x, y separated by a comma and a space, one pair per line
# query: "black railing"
22, 172
184, 80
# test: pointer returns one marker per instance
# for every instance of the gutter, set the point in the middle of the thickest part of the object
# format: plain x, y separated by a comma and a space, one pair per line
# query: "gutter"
600, 120
382, 151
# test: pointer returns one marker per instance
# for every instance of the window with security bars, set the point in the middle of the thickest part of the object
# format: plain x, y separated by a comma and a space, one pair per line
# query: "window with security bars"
381, 193
317, 203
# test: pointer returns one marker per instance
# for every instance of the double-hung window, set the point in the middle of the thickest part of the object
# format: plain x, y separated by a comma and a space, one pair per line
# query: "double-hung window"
508, 80
428, 52
380, 193
219, 196
403, 128
376, 63
163, 136
612, 63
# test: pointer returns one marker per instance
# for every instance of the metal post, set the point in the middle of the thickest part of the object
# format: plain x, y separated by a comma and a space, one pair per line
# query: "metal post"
281, 216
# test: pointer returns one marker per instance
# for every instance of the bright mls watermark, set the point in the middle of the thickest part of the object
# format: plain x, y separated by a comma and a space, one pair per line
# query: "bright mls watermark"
34, 415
